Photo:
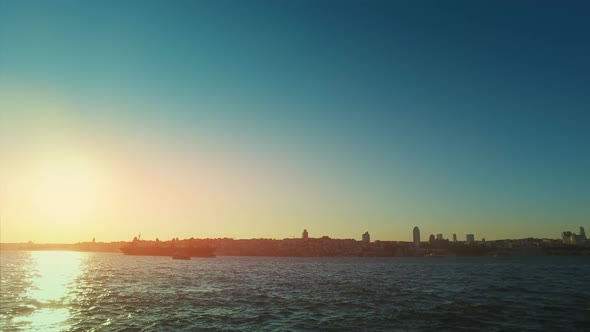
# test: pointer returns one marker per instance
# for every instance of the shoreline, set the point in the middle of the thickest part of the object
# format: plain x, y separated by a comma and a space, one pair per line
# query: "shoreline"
566, 252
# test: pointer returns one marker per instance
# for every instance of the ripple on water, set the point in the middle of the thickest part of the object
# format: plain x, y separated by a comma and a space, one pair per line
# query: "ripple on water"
122, 293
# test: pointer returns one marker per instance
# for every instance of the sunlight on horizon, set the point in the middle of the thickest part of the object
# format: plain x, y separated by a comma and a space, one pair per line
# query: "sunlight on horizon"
68, 189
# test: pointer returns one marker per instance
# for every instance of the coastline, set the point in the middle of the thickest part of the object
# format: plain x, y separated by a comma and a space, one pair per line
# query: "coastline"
322, 248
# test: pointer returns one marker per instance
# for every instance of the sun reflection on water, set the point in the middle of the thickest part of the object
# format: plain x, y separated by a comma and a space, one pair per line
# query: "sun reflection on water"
52, 276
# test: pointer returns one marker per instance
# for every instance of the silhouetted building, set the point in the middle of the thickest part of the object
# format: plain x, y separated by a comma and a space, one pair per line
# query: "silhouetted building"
568, 237
454, 237
416, 237
305, 236
470, 238
439, 236
366, 237
431, 238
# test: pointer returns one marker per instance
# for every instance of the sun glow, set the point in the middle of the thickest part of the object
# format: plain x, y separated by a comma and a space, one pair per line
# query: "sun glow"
68, 189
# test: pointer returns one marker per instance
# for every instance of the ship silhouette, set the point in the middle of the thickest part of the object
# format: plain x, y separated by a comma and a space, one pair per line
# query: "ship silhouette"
139, 247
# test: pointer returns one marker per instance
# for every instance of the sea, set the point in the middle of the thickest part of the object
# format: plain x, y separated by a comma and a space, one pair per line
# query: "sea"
74, 291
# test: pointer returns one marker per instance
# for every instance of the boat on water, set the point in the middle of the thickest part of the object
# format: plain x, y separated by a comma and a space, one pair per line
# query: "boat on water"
181, 249
440, 254
180, 256
177, 249
168, 251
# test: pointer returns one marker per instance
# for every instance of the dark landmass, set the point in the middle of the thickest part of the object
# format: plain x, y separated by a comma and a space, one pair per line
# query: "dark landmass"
82, 246
327, 247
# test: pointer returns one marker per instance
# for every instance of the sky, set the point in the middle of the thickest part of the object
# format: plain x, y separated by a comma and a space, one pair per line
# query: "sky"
258, 119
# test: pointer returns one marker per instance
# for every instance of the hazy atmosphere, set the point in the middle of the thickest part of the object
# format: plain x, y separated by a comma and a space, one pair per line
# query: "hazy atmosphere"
257, 119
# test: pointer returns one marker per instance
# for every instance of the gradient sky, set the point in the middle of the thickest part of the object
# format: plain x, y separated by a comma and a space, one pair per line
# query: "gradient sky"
252, 119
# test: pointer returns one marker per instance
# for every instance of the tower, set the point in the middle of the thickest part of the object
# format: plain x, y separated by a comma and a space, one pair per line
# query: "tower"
454, 237
366, 238
416, 237
304, 235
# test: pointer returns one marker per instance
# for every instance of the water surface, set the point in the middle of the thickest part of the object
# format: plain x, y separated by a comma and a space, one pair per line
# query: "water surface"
70, 291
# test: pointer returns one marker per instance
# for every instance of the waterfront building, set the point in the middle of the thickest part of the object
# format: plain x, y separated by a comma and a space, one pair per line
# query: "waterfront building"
454, 237
416, 237
305, 236
470, 238
366, 238
568, 237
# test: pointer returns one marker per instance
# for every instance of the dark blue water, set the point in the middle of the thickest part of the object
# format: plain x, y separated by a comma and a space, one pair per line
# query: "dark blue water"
66, 291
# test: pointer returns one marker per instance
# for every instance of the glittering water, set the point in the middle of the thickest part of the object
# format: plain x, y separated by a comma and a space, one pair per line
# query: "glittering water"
44, 291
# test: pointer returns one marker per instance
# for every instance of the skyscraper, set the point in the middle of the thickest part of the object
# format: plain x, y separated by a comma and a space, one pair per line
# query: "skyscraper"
304, 235
582, 234
470, 238
416, 237
366, 238
439, 236
454, 237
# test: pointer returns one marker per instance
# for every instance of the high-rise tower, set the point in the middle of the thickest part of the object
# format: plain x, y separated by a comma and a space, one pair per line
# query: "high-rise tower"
366, 237
416, 237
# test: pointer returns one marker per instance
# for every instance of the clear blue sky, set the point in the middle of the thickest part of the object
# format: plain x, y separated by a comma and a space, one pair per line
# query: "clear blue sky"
337, 116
